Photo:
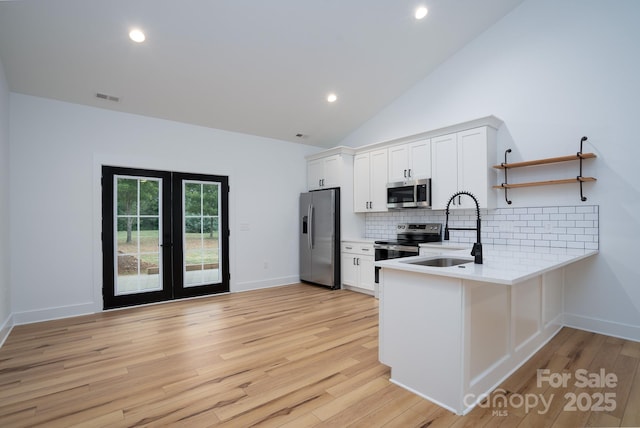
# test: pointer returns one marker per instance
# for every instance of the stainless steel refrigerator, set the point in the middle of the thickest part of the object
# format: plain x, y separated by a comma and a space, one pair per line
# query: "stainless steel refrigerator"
319, 228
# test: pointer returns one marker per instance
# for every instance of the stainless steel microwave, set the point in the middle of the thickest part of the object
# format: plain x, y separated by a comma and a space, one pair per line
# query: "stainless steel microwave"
409, 194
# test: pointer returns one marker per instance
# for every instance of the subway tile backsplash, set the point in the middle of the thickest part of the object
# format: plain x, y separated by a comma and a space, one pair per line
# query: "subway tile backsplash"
561, 226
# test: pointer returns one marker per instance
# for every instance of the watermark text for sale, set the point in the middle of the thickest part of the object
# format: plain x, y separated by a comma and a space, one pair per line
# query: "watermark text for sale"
594, 394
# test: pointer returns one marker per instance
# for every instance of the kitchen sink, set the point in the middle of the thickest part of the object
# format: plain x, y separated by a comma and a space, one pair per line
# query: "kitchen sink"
441, 262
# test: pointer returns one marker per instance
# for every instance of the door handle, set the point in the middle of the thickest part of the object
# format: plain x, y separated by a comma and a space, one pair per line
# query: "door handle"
310, 226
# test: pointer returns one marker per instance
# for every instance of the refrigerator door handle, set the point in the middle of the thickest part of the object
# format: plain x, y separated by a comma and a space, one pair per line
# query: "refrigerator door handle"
311, 226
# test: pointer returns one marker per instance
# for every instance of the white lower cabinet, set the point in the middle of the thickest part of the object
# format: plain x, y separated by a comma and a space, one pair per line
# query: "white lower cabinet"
453, 340
358, 270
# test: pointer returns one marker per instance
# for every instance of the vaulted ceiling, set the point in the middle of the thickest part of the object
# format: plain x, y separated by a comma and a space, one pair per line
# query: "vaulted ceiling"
260, 67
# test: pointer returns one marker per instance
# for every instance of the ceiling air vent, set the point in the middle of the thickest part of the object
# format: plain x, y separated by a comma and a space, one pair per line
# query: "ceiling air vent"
108, 97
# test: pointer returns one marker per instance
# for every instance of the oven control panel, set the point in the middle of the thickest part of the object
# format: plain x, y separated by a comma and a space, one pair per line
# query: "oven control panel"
419, 228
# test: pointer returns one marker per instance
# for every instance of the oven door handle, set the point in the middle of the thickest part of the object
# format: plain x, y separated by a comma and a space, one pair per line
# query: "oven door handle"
406, 248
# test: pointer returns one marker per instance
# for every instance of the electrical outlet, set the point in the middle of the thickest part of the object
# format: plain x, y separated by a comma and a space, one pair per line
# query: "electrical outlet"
265, 265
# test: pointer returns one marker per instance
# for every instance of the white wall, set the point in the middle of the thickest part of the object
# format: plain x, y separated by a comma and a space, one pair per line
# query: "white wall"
554, 71
57, 150
5, 294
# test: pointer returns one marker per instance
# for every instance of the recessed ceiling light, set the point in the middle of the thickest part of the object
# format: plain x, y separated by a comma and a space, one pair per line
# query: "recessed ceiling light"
137, 35
421, 12
332, 98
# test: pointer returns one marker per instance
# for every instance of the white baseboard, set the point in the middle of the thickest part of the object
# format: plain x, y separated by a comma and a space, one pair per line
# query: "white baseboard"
267, 283
5, 329
48, 314
608, 328
359, 290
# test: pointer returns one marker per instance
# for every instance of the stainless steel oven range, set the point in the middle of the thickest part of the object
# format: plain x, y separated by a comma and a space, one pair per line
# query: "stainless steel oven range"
409, 236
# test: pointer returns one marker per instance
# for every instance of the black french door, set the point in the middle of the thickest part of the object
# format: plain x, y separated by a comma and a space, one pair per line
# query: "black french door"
165, 235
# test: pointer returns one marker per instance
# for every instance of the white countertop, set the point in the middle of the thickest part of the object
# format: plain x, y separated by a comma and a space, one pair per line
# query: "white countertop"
503, 264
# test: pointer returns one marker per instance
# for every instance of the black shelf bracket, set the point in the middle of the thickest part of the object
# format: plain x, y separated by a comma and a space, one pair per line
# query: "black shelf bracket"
582, 197
506, 180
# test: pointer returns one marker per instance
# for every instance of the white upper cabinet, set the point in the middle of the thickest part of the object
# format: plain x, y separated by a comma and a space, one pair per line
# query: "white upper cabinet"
474, 168
398, 163
444, 169
315, 174
370, 181
457, 157
361, 182
461, 161
420, 159
411, 161
324, 173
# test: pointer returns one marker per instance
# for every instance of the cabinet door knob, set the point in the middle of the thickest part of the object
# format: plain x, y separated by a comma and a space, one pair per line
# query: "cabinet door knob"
405, 173
409, 172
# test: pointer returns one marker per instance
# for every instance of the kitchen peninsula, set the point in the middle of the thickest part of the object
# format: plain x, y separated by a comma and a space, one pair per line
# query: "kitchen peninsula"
452, 334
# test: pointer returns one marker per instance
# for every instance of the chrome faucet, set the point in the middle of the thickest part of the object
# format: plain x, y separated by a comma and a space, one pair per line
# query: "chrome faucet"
476, 251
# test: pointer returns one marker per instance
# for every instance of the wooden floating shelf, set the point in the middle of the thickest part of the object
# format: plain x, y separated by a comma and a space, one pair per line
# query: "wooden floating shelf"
544, 183
546, 161
579, 156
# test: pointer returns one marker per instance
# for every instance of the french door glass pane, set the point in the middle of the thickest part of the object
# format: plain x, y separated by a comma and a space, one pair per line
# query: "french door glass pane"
137, 241
201, 207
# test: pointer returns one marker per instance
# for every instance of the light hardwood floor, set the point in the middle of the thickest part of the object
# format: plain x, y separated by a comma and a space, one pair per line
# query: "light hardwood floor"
293, 356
